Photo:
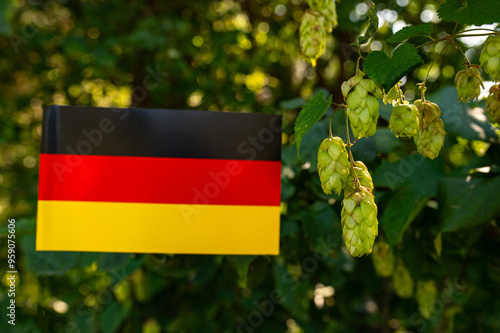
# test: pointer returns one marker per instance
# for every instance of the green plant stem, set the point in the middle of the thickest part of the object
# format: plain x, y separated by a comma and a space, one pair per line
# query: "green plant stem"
422, 85
331, 118
461, 51
351, 159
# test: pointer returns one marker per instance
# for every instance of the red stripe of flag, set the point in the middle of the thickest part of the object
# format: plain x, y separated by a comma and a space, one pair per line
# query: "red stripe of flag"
159, 180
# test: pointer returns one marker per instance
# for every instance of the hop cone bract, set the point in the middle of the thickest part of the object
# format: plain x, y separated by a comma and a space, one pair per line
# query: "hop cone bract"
364, 177
493, 104
312, 35
359, 222
490, 57
383, 259
402, 282
404, 120
425, 295
333, 165
430, 137
468, 82
362, 106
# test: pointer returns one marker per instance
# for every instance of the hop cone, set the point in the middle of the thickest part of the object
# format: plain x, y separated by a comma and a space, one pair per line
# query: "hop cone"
319, 4
493, 104
404, 120
364, 177
359, 222
330, 14
393, 95
383, 259
333, 165
312, 35
490, 57
402, 282
468, 84
362, 106
425, 295
430, 137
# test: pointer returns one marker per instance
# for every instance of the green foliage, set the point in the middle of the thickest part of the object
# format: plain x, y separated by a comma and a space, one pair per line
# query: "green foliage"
410, 32
312, 111
387, 71
477, 12
439, 216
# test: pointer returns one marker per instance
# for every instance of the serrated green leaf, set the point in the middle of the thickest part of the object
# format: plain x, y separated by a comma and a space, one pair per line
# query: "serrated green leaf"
314, 109
477, 12
372, 26
387, 71
409, 32
468, 201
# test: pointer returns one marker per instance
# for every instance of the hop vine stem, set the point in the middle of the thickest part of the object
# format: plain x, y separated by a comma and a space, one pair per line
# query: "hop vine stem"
351, 159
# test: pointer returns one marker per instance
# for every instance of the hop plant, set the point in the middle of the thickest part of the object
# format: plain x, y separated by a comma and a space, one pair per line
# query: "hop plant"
333, 165
364, 177
425, 295
468, 82
312, 35
493, 104
362, 106
330, 14
430, 137
393, 95
404, 120
383, 259
318, 4
490, 57
402, 281
359, 222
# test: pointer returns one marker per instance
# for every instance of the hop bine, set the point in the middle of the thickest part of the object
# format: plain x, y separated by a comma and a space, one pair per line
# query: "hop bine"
430, 137
493, 104
469, 83
333, 165
404, 120
362, 106
359, 222
490, 57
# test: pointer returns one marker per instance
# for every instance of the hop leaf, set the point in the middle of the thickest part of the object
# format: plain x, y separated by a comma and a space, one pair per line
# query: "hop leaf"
425, 295
359, 222
362, 106
469, 83
402, 281
490, 57
312, 35
364, 177
333, 165
430, 137
383, 259
404, 120
493, 104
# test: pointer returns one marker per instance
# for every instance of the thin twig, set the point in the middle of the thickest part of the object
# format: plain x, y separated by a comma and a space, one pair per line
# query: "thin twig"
351, 159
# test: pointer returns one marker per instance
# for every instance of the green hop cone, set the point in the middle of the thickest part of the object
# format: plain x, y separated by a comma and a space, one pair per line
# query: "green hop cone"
319, 4
312, 35
493, 104
468, 84
383, 259
362, 105
490, 57
404, 120
425, 295
430, 137
330, 14
364, 177
333, 165
393, 95
359, 222
402, 281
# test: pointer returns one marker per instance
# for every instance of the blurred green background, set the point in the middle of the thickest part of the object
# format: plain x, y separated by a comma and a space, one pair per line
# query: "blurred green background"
243, 56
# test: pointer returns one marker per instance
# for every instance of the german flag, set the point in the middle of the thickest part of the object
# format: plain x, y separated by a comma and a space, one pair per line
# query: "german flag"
159, 181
